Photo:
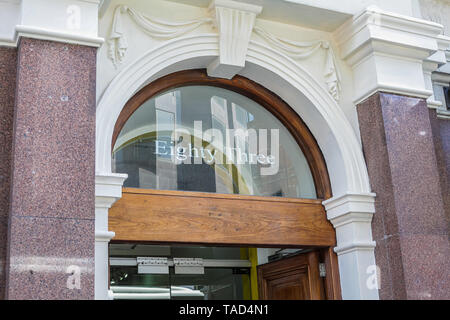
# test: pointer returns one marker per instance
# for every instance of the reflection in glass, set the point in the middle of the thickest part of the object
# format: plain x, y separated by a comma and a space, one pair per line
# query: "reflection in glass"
147, 146
227, 280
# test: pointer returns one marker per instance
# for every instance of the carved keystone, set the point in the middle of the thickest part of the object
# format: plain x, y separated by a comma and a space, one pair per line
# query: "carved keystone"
234, 21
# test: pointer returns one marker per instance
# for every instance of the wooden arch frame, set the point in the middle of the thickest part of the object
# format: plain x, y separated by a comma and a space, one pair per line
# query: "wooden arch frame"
159, 216
270, 101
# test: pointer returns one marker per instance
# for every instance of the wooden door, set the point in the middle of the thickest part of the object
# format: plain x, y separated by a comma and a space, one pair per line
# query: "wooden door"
295, 278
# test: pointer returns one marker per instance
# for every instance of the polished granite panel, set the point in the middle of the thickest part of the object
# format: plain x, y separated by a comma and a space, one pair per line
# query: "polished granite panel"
426, 261
8, 65
441, 138
398, 146
54, 158
53, 182
377, 159
3, 255
445, 138
412, 159
397, 273
44, 254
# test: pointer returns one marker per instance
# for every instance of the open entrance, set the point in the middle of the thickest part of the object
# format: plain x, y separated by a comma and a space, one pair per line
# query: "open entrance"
152, 272
216, 163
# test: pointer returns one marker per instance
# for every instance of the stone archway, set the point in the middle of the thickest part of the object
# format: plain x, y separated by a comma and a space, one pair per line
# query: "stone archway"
351, 208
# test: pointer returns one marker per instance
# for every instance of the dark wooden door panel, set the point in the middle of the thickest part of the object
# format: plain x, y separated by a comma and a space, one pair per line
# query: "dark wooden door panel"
295, 278
289, 287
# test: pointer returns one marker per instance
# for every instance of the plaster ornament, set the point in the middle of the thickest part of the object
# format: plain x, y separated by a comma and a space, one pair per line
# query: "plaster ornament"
160, 29
155, 28
303, 50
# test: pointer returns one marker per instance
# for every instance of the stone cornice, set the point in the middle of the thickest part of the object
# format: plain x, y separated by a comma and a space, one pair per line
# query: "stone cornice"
389, 33
441, 78
363, 204
51, 35
76, 22
387, 52
108, 188
351, 216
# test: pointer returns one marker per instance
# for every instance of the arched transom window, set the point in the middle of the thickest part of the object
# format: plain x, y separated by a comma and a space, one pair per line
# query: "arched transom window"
210, 139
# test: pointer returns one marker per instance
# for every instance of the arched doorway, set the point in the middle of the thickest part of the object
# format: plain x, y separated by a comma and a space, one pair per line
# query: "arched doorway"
350, 209
233, 203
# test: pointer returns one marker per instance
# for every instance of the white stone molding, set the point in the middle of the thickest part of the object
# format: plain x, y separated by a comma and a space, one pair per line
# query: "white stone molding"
443, 114
76, 22
430, 65
108, 189
154, 27
446, 67
9, 17
428, 68
303, 50
386, 52
103, 7
52, 35
351, 216
441, 80
234, 22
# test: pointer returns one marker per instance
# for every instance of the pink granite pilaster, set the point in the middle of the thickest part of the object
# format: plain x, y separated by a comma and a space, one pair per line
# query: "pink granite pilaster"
51, 222
8, 63
441, 138
410, 225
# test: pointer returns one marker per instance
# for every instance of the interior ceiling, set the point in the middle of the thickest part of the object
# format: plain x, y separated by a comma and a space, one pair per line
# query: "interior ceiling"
290, 12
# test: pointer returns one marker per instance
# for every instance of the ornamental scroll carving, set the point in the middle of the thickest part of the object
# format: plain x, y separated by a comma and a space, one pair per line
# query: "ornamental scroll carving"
155, 28
161, 29
303, 50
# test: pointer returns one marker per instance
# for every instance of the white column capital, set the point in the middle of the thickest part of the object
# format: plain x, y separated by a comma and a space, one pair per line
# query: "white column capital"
386, 52
234, 21
339, 206
108, 189
68, 21
351, 215
104, 236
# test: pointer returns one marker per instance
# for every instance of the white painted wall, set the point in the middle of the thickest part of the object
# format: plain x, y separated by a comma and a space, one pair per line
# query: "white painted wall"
72, 21
9, 17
